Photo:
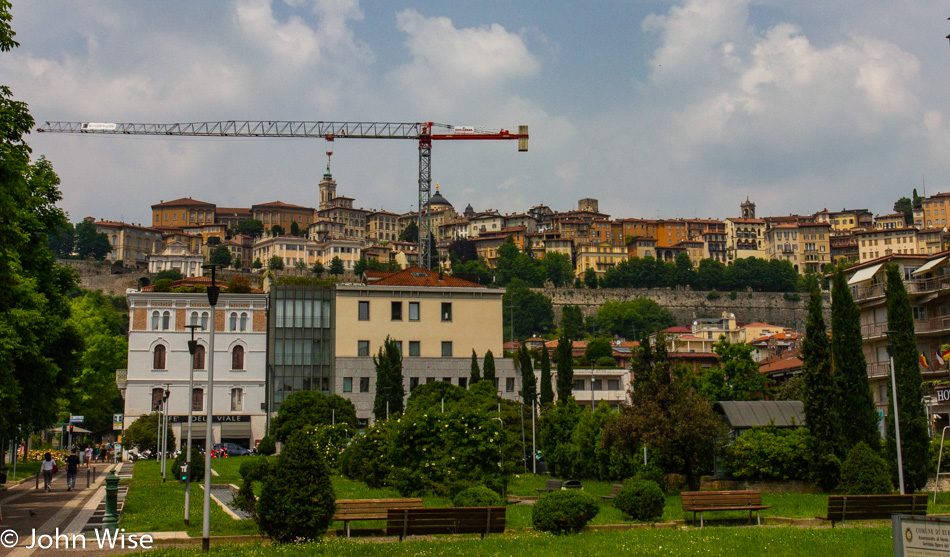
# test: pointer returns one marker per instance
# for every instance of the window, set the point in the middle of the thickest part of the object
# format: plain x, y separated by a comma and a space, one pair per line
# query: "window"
447, 349
446, 311
197, 400
237, 400
396, 311
578, 384
155, 317
597, 386
362, 348
430, 380
509, 384
204, 320
413, 383
364, 384
157, 393
166, 320
463, 382
347, 384
613, 384
237, 358
198, 361
232, 324
413, 311
447, 380
243, 321
158, 357
413, 347
364, 311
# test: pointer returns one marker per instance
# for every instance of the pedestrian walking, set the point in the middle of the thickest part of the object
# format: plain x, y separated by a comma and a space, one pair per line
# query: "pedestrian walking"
88, 456
95, 452
72, 468
47, 468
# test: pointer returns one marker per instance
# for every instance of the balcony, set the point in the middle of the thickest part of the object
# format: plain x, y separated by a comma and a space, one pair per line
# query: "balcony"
933, 325
879, 369
867, 292
873, 330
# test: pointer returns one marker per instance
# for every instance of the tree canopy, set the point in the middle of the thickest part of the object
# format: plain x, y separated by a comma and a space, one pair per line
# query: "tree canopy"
303, 409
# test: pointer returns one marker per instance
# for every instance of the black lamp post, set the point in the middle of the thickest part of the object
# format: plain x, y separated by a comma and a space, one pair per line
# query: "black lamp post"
192, 348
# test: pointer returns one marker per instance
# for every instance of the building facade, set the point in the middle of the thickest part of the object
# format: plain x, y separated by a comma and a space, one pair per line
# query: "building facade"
159, 360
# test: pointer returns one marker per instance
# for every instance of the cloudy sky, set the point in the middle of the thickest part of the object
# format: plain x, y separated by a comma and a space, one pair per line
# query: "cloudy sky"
656, 108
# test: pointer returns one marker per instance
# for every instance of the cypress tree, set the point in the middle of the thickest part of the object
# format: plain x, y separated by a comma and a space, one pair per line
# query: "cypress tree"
820, 400
915, 442
850, 370
476, 374
564, 357
389, 385
489, 368
546, 392
529, 384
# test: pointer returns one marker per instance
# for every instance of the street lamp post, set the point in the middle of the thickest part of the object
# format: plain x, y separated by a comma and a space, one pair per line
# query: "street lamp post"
332, 411
163, 424
192, 348
443, 397
897, 425
213, 292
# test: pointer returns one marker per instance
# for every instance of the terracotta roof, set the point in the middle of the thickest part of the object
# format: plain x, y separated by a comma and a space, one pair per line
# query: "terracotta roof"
417, 276
236, 211
788, 361
117, 224
678, 330
747, 221
183, 202
279, 205
760, 324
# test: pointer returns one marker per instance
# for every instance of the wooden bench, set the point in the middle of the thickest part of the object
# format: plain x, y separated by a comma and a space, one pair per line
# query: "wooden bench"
551, 485
613, 492
842, 508
702, 501
450, 520
370, 509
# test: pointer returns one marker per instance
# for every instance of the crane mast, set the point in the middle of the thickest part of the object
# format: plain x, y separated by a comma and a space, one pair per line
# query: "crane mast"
423, 132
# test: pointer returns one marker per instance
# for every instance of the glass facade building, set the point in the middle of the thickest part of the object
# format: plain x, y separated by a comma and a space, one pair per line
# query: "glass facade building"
300, 341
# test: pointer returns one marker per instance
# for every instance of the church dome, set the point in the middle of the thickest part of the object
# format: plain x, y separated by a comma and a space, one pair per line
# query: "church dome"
437, 200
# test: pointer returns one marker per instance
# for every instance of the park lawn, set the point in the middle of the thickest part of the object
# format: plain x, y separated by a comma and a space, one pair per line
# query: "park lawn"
24, 469
781, 541
154, 506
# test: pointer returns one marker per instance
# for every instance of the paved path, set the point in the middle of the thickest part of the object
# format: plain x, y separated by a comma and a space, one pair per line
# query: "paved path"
27, 513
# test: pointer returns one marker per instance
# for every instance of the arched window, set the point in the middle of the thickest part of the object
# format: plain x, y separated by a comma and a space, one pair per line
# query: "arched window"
194, 318
157, 393
243, 321
204, 321
237, 357
199, 359
233, 322
158, 357
166, 320
237, 400
197, 399
155, 318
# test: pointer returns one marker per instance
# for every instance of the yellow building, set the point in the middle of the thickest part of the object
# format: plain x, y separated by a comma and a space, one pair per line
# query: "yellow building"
132, 244
873, 244
599, 257
283, 214
935, 210
182, 212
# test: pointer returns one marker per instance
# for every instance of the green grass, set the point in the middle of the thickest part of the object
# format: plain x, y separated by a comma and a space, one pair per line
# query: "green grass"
24, 469
153, 506
773, 541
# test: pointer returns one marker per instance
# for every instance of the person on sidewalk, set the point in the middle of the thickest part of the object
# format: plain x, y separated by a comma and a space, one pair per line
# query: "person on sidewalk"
47, 468
72, 468
88, 456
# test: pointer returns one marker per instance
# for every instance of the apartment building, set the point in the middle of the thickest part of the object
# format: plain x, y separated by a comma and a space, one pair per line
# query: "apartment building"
159, 360
745, 237
278, 213
132, 244
599, 257
874, 244
927, 280
382, 226
177, 256
182, 212
845, 220
891, 221
934, 211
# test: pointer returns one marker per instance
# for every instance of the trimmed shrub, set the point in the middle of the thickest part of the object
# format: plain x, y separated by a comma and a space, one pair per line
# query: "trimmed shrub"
251, 470
297, 501
769, 453
564, 512
477, 496
865, 473
641, 500
673, 483
606, 361
197, 465
267, 446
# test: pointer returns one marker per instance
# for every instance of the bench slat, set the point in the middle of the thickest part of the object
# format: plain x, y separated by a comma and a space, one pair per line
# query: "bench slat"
453, 520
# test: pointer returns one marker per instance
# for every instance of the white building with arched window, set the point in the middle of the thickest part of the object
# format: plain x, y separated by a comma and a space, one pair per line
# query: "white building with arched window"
159, 357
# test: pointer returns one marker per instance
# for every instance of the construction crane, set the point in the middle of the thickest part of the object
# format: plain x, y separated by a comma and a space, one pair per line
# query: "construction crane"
424, 132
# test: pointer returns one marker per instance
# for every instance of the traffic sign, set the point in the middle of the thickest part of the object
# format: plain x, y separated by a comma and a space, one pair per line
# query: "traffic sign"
117, 422
75, 419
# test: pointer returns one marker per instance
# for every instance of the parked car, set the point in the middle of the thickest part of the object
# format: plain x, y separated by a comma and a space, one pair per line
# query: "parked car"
232, 449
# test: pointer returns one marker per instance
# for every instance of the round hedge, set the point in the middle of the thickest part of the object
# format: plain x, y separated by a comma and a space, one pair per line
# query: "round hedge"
865, 473
641, 500
197, 465
267, 446
477, 496
564, 512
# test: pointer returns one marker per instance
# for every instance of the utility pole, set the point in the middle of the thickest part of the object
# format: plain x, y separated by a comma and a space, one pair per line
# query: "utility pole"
213, 291
192, 348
